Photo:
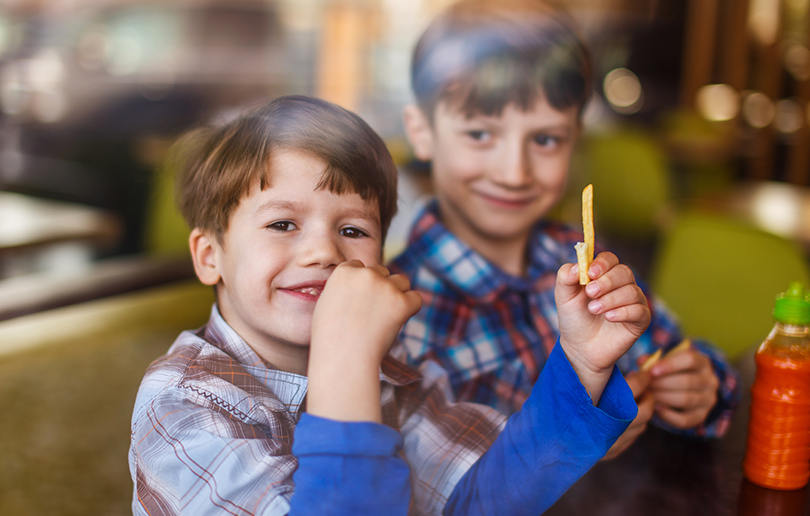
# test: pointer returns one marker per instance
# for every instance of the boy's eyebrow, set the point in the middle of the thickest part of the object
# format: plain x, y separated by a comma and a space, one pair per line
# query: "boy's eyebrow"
276, 204
495, 121
282, 205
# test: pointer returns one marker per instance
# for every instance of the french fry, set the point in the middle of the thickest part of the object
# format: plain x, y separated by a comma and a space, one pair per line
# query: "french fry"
680, 348
585, 249
655, 357
587, 219
582, 260
651, 360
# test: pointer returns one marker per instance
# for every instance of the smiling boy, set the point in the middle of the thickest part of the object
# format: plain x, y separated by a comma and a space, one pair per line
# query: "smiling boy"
286, 402
500, 87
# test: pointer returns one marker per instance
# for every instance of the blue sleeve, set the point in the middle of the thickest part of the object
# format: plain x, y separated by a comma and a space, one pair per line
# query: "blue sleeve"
348, 468
545, 447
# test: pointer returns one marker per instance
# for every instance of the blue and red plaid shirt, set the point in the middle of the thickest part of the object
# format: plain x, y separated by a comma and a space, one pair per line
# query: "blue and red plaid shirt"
493, 331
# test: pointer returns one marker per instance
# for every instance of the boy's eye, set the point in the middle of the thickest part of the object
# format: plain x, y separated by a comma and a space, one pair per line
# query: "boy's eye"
282, 225
547, 141
478, 135
352, 232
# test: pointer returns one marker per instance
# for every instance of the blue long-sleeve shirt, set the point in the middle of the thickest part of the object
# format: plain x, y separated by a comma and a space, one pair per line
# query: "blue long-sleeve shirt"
215, 429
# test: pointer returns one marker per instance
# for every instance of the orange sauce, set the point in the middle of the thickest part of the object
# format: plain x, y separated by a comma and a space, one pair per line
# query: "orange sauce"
777, 454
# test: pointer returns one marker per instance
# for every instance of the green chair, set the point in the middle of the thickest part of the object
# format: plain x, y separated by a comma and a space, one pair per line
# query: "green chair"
721, 277
631, 180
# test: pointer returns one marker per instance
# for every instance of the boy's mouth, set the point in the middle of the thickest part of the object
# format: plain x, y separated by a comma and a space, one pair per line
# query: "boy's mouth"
309, 291
517, 202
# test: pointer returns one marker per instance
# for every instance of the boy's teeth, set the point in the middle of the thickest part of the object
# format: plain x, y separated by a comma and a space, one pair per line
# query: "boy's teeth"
310, 291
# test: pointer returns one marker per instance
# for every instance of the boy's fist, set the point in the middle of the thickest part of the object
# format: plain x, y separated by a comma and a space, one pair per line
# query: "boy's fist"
356, 319
360, 312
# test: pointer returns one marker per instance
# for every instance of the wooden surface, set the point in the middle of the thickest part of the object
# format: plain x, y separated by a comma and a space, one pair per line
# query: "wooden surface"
27, 222
664, 474
68, 379
36, 292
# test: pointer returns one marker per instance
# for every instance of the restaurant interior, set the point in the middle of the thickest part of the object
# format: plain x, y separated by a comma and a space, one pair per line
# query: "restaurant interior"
696, 139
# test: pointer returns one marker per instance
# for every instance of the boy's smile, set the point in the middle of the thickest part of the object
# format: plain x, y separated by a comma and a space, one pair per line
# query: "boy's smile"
281, 246
495, 176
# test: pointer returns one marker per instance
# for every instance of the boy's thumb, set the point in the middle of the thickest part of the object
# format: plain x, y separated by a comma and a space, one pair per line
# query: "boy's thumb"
567, 286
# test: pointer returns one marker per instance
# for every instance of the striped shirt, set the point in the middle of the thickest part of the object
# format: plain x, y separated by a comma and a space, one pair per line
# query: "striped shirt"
492, 331
215, 429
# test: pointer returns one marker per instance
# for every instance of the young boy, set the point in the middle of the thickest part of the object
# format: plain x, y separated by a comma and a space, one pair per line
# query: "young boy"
285, 401
500, 88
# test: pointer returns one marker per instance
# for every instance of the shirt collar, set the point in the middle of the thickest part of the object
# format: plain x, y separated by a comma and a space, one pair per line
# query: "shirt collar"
452, 259
290, 388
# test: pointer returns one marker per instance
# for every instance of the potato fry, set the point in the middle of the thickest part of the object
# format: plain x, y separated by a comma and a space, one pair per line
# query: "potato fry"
587, 219
585, 249
680, 348
655, 357
582, 260
651, 360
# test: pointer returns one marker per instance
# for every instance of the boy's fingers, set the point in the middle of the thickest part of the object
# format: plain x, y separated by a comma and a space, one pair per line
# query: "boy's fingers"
400, 281
636, 314
414, 302
690, 360
601, 264
617, 277
638, 382
687, 381
679, 419
383, 271
624, 296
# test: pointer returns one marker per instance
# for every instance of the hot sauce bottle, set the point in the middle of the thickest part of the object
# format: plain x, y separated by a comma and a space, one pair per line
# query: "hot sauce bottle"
777, 454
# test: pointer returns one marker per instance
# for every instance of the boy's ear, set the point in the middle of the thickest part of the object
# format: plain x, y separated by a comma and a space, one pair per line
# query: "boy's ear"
204, 256
419, 131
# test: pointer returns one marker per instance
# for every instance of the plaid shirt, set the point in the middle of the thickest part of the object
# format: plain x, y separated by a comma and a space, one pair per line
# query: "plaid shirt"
213, 427
493, 331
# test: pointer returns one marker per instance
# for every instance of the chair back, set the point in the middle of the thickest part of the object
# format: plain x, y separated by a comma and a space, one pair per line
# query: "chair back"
721, 277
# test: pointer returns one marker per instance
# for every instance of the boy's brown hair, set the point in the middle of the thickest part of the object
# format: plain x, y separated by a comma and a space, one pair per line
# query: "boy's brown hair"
217, 166
482, 55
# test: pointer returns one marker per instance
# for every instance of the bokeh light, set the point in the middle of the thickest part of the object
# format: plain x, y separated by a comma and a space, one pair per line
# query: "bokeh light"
797, 60
763, 20
777, 208
718, 102
789, 116
623, 91
758, 110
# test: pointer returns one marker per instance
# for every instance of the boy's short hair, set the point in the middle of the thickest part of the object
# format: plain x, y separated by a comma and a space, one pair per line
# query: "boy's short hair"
217, 166
482, 55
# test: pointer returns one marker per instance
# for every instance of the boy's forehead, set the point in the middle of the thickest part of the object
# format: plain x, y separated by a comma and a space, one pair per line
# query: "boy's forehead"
287, 192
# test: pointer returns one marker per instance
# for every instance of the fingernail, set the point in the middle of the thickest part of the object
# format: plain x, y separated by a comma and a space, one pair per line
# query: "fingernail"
592, 289
595, 307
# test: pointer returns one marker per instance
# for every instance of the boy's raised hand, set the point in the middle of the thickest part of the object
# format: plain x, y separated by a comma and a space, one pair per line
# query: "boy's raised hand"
356, 319
600, 321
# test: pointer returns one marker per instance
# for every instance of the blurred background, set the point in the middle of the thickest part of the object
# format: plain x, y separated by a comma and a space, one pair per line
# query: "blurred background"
697, 140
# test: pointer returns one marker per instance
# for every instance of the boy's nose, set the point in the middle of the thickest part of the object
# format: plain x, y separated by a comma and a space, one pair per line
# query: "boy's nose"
513, 170
321, 249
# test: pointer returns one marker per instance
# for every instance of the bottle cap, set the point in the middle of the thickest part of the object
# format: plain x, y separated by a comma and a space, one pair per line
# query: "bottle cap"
793, 306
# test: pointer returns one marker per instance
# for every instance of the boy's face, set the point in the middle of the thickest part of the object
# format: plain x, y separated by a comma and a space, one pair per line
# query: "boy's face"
495, 176
281, 246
